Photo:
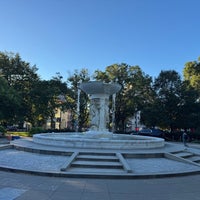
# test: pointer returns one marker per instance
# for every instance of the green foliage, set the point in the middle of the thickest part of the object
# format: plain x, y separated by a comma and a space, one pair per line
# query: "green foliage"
20, 78
9, 102
45, 98
36, 130
23, 96
136, 90
168, 88
166, 102
191, 74
2, 130
74, 81
175, 103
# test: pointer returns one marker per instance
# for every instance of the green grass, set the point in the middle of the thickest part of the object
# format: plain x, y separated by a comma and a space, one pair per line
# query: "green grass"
23, 134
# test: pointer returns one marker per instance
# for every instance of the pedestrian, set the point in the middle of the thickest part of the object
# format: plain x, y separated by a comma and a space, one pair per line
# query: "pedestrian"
184, 138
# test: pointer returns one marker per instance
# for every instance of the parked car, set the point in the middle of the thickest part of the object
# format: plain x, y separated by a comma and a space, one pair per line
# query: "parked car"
153, 132
11, 128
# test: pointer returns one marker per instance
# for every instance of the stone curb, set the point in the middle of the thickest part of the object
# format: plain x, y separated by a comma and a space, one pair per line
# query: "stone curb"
99, 175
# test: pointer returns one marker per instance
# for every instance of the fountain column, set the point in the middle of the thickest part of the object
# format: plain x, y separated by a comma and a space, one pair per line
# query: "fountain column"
98, 112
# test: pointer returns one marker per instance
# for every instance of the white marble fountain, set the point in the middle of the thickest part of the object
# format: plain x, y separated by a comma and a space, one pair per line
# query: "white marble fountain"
98, 137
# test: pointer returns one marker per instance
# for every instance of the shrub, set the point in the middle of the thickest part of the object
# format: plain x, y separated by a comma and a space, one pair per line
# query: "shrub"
2, 130
195, 135
35, 130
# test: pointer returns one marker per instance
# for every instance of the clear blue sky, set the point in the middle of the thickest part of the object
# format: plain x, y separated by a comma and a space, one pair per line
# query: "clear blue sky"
64, 35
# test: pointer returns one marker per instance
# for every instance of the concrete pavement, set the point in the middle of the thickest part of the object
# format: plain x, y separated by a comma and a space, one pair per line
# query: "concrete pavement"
14, 186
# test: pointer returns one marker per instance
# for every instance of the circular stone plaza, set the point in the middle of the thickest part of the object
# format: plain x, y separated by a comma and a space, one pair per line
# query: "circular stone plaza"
173, 159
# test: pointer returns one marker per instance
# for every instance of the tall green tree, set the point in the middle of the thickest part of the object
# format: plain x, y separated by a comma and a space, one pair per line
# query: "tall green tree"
168, 87
191, 74
9, 103
21, 77
74, 81
189, 115
191, 110
136, 90
46, 97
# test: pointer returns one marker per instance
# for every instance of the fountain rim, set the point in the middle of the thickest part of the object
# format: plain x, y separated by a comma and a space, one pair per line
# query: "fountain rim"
136, 142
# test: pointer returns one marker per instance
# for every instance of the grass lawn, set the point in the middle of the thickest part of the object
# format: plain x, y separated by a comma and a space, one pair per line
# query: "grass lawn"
23, 134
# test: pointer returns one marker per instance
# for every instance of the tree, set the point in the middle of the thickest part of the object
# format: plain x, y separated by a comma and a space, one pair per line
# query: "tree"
191, 74
168, 98
21, 77
74, 81
191, 94
190, 107
151, 115
136, 90
9, 103
46, 98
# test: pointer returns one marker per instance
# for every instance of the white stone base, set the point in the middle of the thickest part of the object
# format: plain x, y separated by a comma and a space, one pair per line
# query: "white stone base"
98, 141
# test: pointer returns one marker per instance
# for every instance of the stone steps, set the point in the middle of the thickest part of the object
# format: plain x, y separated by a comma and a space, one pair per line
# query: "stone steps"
188, 156
96, 161
195, 159
184, 154
96, 158
97, 164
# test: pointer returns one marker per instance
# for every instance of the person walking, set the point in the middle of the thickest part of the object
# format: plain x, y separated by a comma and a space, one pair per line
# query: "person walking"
184, 138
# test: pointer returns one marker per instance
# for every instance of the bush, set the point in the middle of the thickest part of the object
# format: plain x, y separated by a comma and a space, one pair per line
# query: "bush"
195, 136
2, 131
35, 130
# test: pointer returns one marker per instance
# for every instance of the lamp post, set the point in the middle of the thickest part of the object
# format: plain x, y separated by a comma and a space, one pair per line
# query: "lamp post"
78, 109
136, 120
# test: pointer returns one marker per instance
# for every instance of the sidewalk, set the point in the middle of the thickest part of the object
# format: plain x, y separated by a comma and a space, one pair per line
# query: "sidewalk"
15, 186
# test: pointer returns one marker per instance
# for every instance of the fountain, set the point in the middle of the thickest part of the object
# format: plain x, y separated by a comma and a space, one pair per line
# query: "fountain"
98, 137
99, 105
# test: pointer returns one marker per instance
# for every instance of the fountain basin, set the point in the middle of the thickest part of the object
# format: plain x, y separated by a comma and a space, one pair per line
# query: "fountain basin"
97, 87
98, 141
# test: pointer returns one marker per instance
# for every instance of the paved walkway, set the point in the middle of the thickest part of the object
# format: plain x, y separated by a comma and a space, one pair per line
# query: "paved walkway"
20, 186
15, 186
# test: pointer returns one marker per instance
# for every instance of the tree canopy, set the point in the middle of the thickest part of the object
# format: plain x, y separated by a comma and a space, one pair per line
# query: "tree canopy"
167, 101
136, 90
28, 98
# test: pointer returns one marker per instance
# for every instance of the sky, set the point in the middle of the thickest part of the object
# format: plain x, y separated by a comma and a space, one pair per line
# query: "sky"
67, 35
